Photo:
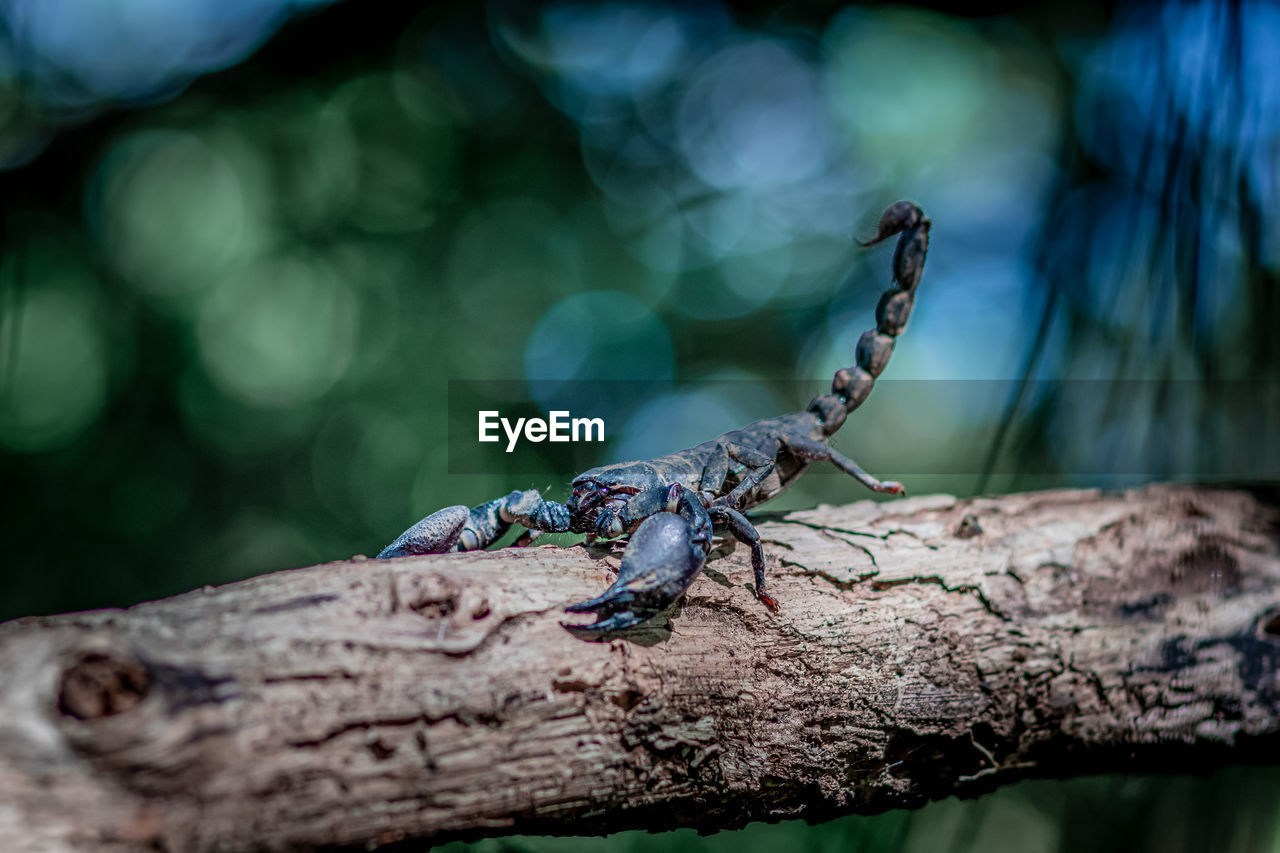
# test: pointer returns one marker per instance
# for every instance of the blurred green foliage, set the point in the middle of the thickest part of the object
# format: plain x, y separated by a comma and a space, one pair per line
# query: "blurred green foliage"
228, 315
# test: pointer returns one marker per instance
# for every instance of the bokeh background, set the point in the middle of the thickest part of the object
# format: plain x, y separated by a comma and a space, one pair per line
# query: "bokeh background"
247, 244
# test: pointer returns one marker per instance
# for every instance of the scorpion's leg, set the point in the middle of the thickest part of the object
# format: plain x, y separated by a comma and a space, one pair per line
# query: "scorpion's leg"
457, 528
847, 465
745, 532
528, 538
716, 468
816, 450
663, 557
761, 465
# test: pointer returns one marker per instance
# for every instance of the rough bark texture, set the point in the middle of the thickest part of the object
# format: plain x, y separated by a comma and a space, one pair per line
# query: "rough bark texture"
925, 647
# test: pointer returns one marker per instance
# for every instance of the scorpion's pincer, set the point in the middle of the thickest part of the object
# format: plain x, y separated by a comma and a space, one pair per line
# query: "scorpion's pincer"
438, 533
660, 563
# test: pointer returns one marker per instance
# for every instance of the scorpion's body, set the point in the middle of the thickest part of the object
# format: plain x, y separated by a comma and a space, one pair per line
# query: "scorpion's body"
687, 467
669, 505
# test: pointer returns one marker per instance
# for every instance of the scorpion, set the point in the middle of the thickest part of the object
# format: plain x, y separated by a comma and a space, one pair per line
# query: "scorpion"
669, 506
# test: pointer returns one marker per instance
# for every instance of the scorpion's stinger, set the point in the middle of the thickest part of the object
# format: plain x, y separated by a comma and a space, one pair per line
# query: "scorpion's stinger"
898, 217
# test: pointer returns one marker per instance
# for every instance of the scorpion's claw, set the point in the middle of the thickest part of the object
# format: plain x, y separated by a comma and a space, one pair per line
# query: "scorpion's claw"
607, 600
660, 562
457, 528
617, 622
435, 534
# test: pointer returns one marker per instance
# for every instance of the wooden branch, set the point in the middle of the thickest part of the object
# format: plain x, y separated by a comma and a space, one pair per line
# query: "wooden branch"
926, 647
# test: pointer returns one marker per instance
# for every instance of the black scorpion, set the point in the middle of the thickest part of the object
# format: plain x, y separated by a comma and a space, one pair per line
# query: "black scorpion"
671, 504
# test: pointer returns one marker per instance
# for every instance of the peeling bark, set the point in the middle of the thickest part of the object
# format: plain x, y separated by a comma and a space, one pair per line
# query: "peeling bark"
926, 647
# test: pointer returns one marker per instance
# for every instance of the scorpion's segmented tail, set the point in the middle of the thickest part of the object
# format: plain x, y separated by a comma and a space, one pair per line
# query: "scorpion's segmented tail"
851, 385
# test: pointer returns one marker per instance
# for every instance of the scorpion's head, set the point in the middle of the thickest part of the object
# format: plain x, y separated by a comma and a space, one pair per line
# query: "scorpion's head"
607, 488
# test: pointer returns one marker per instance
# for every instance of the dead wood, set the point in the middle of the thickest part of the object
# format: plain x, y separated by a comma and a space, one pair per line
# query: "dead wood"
926, 647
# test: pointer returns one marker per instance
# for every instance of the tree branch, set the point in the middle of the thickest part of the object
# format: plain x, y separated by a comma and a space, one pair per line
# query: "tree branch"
926, 647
